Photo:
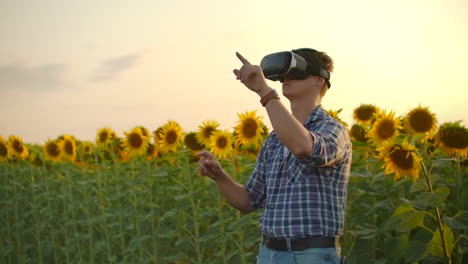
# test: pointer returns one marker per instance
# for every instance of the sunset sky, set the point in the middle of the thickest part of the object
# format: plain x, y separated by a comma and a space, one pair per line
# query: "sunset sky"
72, 67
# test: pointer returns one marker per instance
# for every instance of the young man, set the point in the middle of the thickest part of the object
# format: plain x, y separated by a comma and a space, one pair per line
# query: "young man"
301, 176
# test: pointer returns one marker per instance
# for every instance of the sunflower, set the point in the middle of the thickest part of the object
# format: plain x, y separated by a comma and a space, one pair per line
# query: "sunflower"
87, 148
68, 148
206, 130
221, 143
171, 136
151, 152
249, 129
52, 151
135, 143
144, 131
453, 138
157, 134
191, 142
35, 159
266, 131
384, 129
4, 149
400, 159
334, 114
17, 148
359, 133
364, 114
421, 121
104, 137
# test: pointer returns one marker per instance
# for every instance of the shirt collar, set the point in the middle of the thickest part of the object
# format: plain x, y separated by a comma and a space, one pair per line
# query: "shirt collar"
317, 114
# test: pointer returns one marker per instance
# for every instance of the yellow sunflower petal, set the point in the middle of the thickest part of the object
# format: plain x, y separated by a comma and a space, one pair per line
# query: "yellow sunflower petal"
401, 159
385, 128
421, 121
249, 130
221, 143
4, 149
205, 131
453, 138
17, 148
104, 137
52, 151
170, 137
135, 143
68, 148
364, 114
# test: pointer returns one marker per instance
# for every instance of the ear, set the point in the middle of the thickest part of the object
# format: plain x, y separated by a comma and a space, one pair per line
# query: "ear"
320, 81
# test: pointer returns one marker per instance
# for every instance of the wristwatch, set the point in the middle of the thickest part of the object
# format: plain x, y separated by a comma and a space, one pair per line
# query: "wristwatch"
269, 96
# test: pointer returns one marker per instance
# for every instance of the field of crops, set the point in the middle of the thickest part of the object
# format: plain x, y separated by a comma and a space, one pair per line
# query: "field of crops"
136, 198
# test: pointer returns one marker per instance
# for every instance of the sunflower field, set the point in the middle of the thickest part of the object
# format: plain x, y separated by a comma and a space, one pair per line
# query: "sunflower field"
136, 198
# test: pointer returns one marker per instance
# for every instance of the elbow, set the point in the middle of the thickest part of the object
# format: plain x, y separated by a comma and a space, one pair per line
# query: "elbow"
302, 151
246, 209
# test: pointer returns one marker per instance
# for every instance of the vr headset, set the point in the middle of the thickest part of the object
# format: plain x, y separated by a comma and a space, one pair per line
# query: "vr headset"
288, 65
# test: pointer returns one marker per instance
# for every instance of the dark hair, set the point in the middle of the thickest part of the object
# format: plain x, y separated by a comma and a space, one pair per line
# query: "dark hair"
320, 58
317, 57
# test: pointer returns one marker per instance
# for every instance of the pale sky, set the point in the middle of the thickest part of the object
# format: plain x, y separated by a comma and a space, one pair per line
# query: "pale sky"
73, 67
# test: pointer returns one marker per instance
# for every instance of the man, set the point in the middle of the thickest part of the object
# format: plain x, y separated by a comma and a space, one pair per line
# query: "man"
302, 171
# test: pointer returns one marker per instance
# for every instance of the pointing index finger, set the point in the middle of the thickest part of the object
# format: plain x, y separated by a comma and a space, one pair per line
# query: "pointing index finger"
242, 59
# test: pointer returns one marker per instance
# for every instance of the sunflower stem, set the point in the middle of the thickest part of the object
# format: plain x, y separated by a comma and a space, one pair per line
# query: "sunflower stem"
438, 216
459, 180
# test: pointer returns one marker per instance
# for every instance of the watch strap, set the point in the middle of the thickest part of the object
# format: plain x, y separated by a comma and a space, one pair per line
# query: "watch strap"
268, 97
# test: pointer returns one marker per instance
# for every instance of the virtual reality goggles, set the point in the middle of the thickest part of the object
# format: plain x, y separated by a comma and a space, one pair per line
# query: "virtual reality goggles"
288, 65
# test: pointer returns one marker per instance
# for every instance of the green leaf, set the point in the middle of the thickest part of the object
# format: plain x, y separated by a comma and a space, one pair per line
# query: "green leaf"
436, 242
416, 250
404, 219
459, 221
432, 199
418, 186
396, 247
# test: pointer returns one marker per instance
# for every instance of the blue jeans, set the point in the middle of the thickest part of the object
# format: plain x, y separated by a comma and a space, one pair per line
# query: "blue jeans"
309, 256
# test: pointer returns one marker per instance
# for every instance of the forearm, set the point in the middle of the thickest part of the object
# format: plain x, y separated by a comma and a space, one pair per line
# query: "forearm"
289, 130
234, 193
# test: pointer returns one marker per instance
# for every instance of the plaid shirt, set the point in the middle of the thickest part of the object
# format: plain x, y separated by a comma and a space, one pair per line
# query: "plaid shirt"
303, 197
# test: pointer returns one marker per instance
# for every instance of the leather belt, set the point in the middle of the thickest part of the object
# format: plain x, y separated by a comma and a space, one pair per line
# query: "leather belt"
298, 244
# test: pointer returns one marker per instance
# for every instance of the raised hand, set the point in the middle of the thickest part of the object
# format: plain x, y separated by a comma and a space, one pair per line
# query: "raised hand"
251, 76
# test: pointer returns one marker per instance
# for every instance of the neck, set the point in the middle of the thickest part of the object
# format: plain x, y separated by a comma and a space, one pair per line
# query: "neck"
301, 108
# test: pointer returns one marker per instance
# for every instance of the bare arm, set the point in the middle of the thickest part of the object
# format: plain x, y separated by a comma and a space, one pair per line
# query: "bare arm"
287, 128
234, 193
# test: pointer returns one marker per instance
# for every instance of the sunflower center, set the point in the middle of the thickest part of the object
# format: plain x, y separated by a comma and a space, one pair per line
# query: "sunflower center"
221, 142
87, 149
249, 129
385, 129
103, 136
365, 113
3, 150
454, 137
135, 140
208, 132
17, 146
69, 149
421, 121
171, 137
402, 158
53, 150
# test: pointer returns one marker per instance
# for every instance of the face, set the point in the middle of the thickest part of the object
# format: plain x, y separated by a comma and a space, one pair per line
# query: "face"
299, 88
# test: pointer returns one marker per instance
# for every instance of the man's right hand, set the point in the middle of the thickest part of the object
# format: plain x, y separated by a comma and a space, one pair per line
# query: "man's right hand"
209, 166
